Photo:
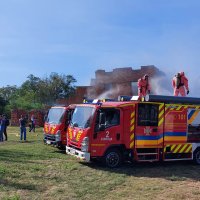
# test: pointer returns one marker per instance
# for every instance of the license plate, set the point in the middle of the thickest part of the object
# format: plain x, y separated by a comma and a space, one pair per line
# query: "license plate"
48, 142
72, 151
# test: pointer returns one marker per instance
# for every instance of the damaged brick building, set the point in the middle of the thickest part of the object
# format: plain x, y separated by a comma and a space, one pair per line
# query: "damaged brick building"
120, 81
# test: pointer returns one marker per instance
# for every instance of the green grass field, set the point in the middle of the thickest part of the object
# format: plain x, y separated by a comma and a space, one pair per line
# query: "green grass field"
33, 170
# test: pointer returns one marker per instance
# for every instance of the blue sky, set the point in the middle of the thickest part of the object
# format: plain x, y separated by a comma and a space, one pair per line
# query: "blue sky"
77, 37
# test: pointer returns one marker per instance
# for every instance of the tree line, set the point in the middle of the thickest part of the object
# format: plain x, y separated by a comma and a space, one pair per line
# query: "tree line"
36, 93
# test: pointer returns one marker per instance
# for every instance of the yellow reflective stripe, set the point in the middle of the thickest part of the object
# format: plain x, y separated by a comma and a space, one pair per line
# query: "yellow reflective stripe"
161, 113
160, 121
161, 106
132, 136
193, 116
132, 121
177, 148
131, 144
132, 128
183, 148
189, 149
165, 148
179, 107
173, 147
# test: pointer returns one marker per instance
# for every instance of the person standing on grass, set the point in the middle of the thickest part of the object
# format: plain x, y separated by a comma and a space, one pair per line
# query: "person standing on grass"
22, 124
3, 126
1, 132
7, 123
32, 126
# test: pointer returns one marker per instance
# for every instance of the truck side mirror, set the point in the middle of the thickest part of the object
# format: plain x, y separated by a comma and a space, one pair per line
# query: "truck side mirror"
69, 117
102, 121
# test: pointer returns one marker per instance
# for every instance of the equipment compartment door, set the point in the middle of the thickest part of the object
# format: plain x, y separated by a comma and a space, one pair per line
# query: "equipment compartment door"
176, 146
149, 129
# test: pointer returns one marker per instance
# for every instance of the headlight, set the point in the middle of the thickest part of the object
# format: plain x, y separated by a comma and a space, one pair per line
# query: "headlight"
85, 144
58, 136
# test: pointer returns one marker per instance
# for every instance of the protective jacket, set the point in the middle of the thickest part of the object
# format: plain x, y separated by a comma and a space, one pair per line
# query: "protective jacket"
180, 84
143, 87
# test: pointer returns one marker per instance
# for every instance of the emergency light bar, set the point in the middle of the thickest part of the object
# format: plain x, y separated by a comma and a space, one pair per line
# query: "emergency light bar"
172, 99
124, 98
103, 100
88, 100
134, 98
127, 98
95, 101
108, 100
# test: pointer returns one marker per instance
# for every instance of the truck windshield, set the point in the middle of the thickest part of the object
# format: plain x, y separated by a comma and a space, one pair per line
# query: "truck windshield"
82, 117
55, 115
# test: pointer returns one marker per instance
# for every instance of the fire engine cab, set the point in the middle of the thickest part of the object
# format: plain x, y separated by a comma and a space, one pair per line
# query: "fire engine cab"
158, 128
56, 124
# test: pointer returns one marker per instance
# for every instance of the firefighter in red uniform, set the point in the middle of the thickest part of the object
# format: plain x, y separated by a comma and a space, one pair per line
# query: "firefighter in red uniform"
180, 84
143, 86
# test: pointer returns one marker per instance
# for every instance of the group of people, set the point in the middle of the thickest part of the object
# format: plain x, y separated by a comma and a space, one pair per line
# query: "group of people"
4, 122
23, 123
179, 84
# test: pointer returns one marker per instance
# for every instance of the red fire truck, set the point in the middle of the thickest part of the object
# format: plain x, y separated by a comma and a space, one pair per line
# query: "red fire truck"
56, 124
158, 128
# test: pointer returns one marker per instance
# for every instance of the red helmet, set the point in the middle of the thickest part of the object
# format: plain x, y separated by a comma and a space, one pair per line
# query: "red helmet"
182, 73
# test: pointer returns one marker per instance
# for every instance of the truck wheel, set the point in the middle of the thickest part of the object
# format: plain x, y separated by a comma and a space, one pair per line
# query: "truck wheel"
61, 147
197, 156
113, 158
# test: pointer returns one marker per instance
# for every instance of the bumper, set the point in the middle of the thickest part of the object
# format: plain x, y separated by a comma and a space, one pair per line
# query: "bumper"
50, 142
79, 154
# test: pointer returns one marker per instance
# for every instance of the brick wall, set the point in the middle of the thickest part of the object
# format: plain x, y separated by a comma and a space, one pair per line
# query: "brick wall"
16, 114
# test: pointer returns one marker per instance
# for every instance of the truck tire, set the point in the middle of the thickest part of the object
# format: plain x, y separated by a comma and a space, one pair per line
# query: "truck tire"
196, 157
113, 158
61, 147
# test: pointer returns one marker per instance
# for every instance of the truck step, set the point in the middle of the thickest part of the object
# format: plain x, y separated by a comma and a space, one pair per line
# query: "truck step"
142, 154
151, 160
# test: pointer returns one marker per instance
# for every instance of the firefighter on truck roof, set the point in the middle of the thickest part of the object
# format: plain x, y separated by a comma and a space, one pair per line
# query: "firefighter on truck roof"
180, 84
143, 86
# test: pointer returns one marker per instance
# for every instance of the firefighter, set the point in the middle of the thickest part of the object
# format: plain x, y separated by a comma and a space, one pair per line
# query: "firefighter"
143, 86
180, 84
